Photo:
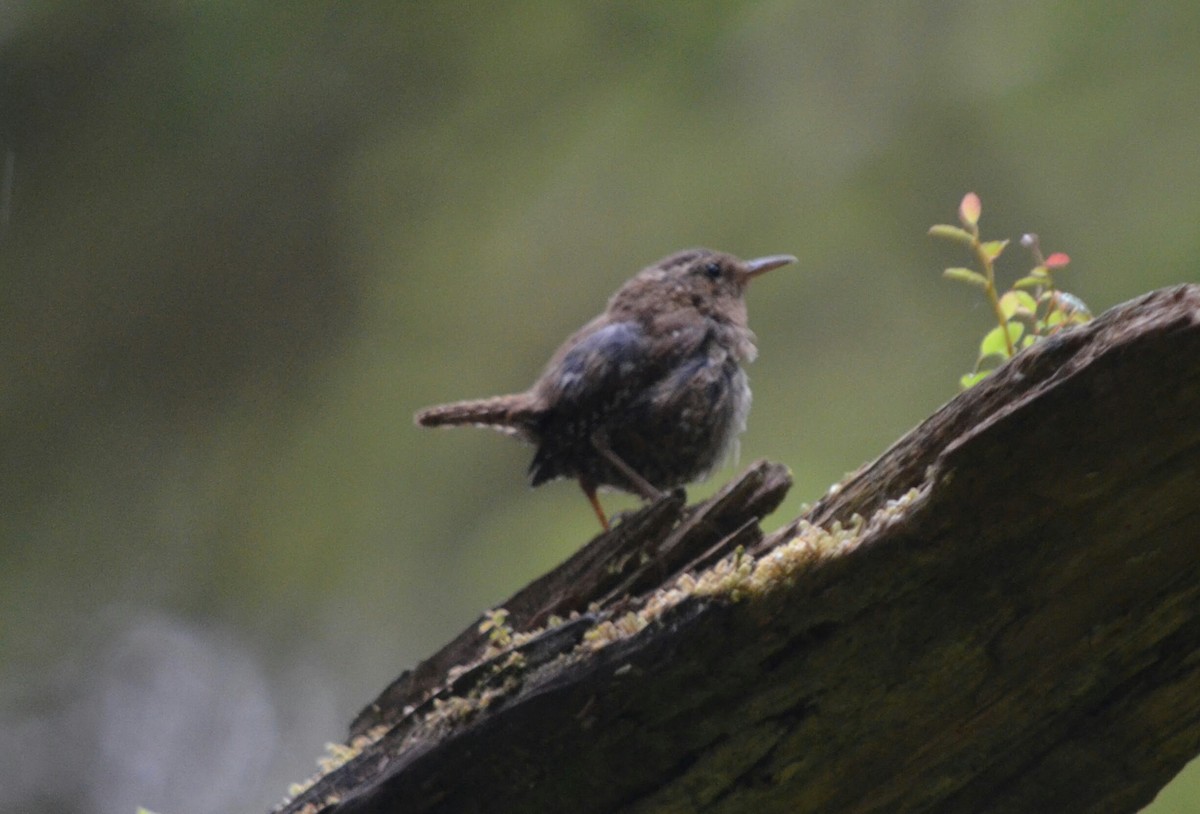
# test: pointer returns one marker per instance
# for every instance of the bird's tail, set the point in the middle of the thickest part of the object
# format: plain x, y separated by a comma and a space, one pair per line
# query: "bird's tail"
508, 414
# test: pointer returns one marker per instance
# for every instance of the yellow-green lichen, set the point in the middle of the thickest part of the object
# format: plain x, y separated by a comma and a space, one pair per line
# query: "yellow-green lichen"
739, 576
611, 630
337, 755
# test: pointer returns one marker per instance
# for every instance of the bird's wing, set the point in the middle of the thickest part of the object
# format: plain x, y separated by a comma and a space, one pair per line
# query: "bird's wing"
595, 363
606, 359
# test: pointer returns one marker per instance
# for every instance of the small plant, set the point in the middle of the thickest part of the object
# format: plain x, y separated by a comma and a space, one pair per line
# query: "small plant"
495, 625
1030, 310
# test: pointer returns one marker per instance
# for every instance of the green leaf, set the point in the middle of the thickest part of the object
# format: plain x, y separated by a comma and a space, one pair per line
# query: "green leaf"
1017, 302
993, 343
965, 276
971, 379
993, 248
1032, 281
948, 232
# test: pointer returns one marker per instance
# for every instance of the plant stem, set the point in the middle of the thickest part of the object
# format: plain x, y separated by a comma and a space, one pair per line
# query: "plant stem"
990, 289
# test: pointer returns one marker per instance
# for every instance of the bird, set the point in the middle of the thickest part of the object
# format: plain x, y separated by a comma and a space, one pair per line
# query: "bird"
648, 396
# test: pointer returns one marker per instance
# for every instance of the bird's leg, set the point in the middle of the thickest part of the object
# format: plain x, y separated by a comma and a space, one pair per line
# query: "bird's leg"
589, 489
640, 485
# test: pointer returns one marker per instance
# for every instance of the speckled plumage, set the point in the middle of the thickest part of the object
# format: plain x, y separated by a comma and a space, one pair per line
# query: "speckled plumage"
647, 396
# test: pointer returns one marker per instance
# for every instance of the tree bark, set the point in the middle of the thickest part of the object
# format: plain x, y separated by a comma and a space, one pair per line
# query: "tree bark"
1000, 614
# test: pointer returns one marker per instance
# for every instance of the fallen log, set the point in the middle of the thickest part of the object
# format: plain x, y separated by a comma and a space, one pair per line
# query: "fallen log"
999, 614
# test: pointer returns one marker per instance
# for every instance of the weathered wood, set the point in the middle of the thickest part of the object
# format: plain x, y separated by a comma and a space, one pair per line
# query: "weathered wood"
1017, 630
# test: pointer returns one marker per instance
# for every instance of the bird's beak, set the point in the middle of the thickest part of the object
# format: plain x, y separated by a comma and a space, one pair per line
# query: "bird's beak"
762, 265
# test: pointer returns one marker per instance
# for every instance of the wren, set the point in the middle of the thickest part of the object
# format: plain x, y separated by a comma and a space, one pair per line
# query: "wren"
647, 396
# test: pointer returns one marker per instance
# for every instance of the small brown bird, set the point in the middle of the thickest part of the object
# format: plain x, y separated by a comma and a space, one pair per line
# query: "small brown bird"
647, 396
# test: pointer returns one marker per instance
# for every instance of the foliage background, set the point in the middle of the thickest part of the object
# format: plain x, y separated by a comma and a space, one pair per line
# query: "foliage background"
241, 242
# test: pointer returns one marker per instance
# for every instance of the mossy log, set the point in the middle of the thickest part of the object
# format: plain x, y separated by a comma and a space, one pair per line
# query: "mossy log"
1000, 614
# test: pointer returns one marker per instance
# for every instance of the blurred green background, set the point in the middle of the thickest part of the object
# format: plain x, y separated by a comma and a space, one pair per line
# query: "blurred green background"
242, 242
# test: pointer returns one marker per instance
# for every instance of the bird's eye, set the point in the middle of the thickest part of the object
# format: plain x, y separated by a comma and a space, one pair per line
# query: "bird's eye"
712, 270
